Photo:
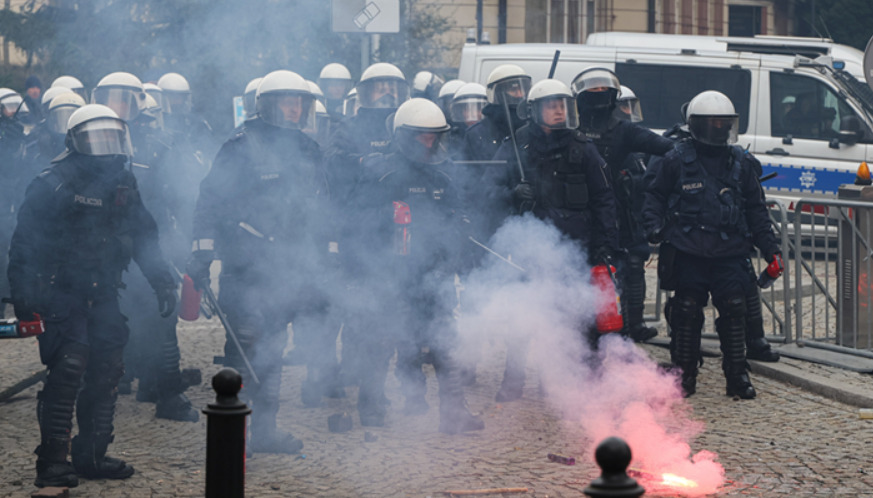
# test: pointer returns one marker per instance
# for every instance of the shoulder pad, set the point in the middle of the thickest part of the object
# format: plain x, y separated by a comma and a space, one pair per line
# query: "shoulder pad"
685, 151
580, 137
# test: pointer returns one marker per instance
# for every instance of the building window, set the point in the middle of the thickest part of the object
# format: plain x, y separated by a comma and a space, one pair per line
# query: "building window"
565, 20
744, 20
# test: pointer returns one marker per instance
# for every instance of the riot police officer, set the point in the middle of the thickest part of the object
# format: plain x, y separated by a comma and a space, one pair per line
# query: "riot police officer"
426, 85
380, 92
563, 181
705, 204
335, 80
447, 93
411, 183
464, 111
259, 212
597, 91
81, 222
507, 86
12, 147
152, 353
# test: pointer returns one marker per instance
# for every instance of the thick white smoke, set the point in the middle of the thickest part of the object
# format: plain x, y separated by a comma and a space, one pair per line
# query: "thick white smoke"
616, 391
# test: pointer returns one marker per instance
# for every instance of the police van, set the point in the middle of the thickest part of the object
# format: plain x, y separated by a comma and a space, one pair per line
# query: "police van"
805, 110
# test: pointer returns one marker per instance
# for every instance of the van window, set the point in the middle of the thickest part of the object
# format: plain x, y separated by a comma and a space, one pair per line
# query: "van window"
663, 89
804, 107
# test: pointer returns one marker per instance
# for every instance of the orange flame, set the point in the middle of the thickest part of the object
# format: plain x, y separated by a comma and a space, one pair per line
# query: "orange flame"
675, 481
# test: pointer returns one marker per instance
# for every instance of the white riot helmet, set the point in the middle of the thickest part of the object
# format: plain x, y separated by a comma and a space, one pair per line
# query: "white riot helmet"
508, 83
152, 110
447, 93
596, 90
155, 92
712, 119
628, 106
426, 85
176, 93
550, 104
350, 103
50, 94
335, 81
316, 91
419, 129
467, 104
284, 100
382, 86
11, 103
60, 109
95, 130
121, 92
72, 83
249, 97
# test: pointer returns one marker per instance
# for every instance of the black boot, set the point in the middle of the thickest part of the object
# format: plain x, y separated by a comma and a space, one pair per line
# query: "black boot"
266, 438
52, 467
633, 298
757, 347
54, 411
686, 320
455, 417
176, 407
731, 328
91, 462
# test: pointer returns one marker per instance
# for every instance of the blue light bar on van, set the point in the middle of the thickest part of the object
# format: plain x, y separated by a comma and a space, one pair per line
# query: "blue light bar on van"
839, 65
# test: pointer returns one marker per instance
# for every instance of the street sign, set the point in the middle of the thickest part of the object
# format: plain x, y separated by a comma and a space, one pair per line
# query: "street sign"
868, 63
365, 16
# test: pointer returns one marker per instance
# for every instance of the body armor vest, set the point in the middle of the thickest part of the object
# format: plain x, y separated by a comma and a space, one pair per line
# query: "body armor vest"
560, 180
705, 201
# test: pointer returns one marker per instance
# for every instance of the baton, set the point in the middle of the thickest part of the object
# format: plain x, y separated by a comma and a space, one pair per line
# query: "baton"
554, 64
213, 303
768, 176
494, 253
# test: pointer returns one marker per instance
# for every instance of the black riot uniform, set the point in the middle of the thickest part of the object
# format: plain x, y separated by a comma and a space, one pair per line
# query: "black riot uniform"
484, 138
79, 226
617, 141
356, 137
705, 203
168, 191
261, 207
757, 347
568, 187
411, 273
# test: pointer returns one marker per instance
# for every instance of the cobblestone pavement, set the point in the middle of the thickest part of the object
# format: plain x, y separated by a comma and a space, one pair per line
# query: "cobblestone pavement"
786, 442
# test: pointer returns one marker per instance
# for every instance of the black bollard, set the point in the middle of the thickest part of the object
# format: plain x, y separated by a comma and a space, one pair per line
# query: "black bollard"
613, 456
226, 437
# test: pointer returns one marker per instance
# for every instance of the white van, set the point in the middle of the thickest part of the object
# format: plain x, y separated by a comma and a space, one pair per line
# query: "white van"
793, 95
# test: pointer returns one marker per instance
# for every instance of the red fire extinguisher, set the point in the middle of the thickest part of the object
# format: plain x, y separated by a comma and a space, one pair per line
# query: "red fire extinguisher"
402, 219
190, 307
609, 309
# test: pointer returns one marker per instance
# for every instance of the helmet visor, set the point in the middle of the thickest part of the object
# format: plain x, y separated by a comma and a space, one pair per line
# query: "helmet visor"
11, 104
158, 95
59, 117
123, 100
350, 106
468, 111
598, 79
556, 113
176, 102
249, 103
714, 130
629, 110
422, 146
101, 137
511, 91
292, 110
383, 93
334, 88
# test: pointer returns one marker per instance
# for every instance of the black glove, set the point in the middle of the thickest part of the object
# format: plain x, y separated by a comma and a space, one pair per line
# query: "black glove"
24, 313
166, 300
198, 268
524, 192
655, 236
603, 256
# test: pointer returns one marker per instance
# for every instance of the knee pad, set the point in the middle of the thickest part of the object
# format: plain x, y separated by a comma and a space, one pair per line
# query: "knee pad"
686, 312
107, 368
731, 306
